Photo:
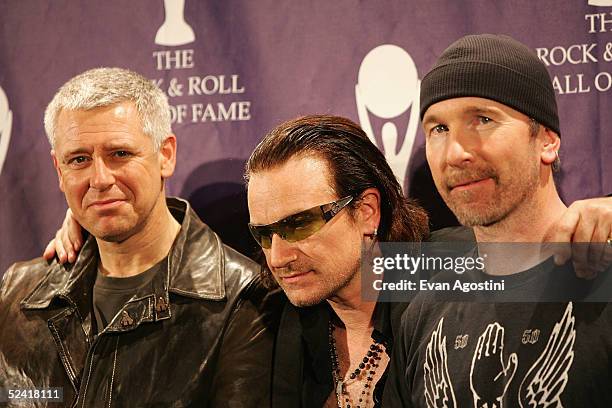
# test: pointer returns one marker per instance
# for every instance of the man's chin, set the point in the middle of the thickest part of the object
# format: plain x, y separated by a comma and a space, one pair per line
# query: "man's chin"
475, 218
112, 235
303, 299
117, 239
305, 303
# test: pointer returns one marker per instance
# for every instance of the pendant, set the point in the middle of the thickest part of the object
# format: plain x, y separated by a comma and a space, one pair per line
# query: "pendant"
339, 388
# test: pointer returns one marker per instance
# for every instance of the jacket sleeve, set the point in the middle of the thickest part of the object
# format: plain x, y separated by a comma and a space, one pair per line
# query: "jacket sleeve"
5, 281
4, 313
17, 281
243, 377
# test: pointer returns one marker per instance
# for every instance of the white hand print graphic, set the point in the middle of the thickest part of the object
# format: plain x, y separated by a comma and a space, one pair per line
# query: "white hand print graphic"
488, 391
492, 372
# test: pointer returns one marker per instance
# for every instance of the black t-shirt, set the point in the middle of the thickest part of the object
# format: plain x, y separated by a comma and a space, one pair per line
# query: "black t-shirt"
111, 294
460, 354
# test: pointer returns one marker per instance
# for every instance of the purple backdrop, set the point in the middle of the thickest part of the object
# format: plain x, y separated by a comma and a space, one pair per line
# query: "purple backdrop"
235, 69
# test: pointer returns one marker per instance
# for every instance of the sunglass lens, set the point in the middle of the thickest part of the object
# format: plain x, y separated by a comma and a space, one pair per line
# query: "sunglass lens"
306, 229
266, 241
262, 235
294, 228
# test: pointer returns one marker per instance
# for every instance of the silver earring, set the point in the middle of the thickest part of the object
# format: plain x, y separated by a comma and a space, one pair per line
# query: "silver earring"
372, 235
556, 165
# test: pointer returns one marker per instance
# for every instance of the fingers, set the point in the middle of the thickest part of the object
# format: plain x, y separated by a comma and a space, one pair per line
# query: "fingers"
62, 256
67, 246
49, 250
489, 346
498, 343
594, 227
71, 237
67, 242
606, 258
74, 231
562, 253
587, 224
581, 248
479, 347
563, 233
510, 369
67, 239
563, 230
600, 253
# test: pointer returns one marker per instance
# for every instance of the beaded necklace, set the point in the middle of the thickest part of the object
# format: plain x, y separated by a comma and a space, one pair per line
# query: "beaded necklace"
367, 367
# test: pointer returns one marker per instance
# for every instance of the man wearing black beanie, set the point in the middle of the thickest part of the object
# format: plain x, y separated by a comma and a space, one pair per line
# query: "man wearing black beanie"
492, 139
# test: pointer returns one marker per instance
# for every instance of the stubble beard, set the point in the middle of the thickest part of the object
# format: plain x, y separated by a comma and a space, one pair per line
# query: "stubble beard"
122, 233
508, 196
330, 285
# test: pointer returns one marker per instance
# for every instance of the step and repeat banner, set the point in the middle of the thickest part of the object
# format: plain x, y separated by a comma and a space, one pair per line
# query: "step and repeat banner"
234, 69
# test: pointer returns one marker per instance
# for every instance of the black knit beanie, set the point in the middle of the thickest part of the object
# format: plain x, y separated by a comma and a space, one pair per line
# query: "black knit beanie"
495, 67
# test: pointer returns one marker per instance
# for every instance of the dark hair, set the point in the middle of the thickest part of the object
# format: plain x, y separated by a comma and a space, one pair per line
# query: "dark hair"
355, 163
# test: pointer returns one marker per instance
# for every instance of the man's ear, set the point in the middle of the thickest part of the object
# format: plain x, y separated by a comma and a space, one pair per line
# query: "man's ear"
368, 210
550, 143
58, 170
167, 155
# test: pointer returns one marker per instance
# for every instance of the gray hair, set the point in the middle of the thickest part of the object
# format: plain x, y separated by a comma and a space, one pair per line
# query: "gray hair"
106, 86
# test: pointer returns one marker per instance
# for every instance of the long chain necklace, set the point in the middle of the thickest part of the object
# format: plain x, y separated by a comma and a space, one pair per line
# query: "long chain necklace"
367, 368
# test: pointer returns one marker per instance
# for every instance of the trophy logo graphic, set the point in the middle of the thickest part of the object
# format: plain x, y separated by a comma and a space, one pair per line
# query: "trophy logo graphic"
387, 86
6, 122
174, 30
603, 3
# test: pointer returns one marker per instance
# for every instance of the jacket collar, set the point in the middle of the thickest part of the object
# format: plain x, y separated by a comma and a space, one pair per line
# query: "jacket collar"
195, 269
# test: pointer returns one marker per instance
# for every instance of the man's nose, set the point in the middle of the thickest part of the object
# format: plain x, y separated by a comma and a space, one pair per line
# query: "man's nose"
102, 177
458, 149
281, 253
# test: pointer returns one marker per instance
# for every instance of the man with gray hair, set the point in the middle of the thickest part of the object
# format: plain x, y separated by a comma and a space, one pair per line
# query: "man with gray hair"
155, 310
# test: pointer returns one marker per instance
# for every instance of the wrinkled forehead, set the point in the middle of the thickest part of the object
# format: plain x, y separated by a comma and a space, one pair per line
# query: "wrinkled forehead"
120, 119
296, 185
114, 127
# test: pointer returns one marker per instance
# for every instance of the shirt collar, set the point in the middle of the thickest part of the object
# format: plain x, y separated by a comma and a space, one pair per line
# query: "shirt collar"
315, 325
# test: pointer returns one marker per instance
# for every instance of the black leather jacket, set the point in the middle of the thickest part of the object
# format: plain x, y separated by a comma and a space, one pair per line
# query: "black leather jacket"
200, 335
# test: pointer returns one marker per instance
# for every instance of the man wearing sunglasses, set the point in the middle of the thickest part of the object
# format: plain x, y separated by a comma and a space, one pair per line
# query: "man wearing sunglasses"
492, 136
319, 191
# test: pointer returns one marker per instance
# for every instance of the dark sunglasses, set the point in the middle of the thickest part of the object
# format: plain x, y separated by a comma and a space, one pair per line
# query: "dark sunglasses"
298, 226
